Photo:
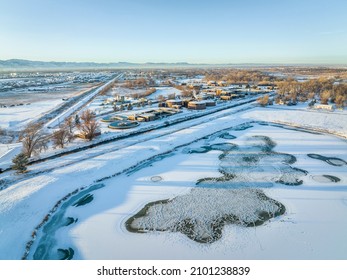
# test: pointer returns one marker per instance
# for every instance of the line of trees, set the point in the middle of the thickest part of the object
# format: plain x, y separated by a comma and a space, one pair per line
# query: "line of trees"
148, 92
139, 83
185, 91
35, 140
107, 88
239, 76
323, 89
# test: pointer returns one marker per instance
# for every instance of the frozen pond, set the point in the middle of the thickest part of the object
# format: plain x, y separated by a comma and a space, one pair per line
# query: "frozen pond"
253, 191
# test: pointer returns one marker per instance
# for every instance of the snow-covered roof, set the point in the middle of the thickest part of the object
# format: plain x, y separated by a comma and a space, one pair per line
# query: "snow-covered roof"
197, 102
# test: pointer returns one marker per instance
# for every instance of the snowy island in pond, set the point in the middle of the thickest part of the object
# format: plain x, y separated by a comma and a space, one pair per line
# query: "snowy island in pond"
202, 214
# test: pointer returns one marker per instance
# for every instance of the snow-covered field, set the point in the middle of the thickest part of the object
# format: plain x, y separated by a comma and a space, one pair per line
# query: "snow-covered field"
164, 91
333, 122
15, 118
91, 223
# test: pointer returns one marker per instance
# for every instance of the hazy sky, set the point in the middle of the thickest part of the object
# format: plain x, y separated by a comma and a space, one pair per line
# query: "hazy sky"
216, 31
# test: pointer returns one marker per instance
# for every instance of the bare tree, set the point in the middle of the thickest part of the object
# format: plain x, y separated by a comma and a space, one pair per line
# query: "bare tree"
87, 115
89, 127
339, 101
34, 140
187, 93
263, 101
70, 123
160, 98
135, 95
324, 96
62, 136
311, 95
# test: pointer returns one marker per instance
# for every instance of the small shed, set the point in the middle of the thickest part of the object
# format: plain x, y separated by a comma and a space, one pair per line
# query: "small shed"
146, 117
324, 107
226, 97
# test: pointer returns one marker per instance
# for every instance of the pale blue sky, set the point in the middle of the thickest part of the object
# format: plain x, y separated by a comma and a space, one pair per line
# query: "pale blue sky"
234, 31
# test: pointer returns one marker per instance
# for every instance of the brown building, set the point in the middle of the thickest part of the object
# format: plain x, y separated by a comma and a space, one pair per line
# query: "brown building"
197, 105
173, 102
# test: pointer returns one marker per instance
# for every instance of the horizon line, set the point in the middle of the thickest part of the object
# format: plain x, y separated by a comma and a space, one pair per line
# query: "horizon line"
180, 62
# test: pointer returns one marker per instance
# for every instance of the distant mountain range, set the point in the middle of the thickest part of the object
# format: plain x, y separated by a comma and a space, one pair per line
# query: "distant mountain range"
21, 64
24, 65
